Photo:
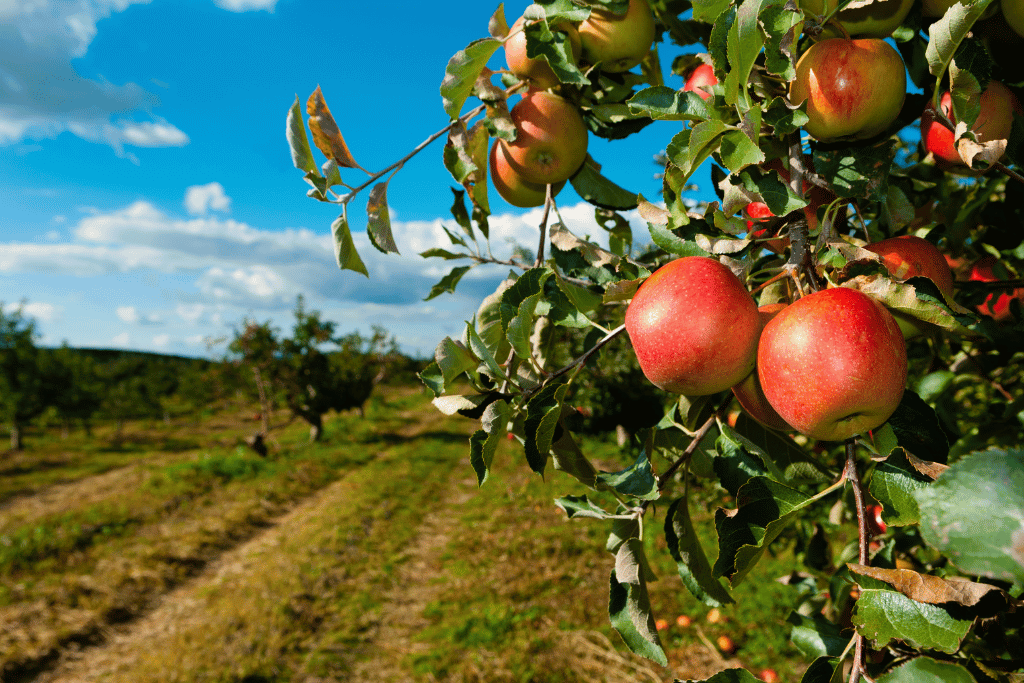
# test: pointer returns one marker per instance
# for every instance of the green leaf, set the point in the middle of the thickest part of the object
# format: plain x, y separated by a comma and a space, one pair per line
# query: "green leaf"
739, 151
378, 229
433, 379
691, 561
542, 413
484, 442
453, 359
917, 429
782, 26
556, 50
629, 605
663, 103
861, 171
783, 117
462, 71
927, 670
893, 484
824, 670
946, 34
779, 197
689, 148
667, 240
765, 507
581, 506
815, 636
599, 191
732, 676
974, 514
622, 531
483, 352
744, 44
886, 615
526, 285
709, 10
298, 141
637, 481
448, 283
520, 327
442, 253
344, 248
733, 464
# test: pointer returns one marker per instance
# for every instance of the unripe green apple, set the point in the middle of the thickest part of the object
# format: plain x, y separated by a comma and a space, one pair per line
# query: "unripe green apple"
853, 88
618, 42
749, 393
694, 327
833, 364
511, 186
536, 71
994, 122
877, 19
1013, 12
551, 138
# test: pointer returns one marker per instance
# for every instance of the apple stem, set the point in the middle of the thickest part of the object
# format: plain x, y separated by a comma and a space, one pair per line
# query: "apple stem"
853, 477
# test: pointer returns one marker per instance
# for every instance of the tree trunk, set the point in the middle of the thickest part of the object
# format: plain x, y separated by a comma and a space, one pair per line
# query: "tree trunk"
316, 427
15, 436
264, 403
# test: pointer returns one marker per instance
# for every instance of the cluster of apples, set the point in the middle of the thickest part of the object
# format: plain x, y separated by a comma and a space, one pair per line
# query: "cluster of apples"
831, 365
551, 136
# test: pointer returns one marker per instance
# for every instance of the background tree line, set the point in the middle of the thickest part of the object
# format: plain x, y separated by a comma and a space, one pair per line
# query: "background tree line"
310, 372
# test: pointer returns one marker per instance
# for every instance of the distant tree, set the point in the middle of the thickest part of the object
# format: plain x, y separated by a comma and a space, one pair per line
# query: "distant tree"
22, 395
129, 392
256, 348
72, 385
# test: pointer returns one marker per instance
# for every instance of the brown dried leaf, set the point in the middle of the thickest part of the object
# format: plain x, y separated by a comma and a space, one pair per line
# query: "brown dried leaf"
651, 213
562, 238
930, 469
326, 136
929, 589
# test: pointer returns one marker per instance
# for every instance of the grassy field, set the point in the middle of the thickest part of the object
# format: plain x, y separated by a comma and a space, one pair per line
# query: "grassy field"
177, 555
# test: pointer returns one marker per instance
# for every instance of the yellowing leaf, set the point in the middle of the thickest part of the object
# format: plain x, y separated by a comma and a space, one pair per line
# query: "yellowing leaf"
326, 136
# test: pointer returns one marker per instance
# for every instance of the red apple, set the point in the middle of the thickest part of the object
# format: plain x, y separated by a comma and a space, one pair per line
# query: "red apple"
769, 676
618, 42
551, 138
908, 256
833, 364
996, 305
683, 621
816, 198
876, 525
536, 71
661, 624
700, 81
725, 644
694, 327
853, 88
749, 392
512, 187
994, 122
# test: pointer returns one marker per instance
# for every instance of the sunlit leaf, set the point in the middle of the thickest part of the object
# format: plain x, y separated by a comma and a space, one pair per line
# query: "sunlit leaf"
448, 283
629, 605
599, 191
462, 71
927, 670
302, 155
326, 135
882, 616
379, 226
691, 560
344, 248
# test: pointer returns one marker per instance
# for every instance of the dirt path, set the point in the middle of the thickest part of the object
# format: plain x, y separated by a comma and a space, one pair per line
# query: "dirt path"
185, 611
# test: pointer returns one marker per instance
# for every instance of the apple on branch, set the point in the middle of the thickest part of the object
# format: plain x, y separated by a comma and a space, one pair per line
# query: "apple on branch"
615, 42
908, 256
551, 138
833, 364
853, 88
749, 393
537, 72
701, 80
694, 327
998, 104
512, 187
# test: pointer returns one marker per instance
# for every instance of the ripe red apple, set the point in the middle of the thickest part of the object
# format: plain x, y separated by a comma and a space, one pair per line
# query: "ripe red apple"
994, 122
853, 88
618, 42
512, 187
536, 71
683, 621
661, 624
725, 644
701, 77
749, 392
996, 305
769, 676
876, 525
908, 256
551, 138
833, 364
694, 327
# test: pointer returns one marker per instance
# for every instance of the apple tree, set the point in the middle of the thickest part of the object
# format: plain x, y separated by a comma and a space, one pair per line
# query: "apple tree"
857, 344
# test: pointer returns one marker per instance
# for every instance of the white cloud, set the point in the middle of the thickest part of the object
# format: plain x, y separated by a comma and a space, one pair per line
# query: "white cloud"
246, 5
128, 314
41, 311
190, 313
161, 341
121, 340
43, 95
200, 199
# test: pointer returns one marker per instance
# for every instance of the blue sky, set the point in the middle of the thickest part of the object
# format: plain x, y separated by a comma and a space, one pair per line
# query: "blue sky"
149, 197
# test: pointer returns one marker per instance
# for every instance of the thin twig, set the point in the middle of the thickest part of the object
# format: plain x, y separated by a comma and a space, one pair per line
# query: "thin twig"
698, 436
857, 671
